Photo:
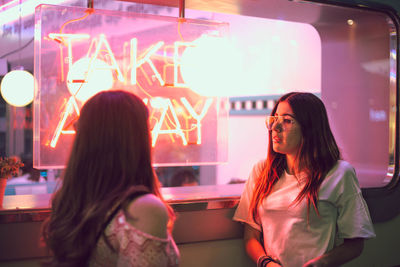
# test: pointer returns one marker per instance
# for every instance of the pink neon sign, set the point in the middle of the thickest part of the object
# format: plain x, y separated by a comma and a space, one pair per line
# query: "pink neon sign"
79, 52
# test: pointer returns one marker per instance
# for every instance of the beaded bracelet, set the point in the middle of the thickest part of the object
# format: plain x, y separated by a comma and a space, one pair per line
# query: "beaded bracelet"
264, 260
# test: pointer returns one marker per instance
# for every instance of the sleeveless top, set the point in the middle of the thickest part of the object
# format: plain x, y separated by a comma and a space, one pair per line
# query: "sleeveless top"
133, 247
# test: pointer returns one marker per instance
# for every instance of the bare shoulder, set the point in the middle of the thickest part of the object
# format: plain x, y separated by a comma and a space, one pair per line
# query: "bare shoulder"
148, 214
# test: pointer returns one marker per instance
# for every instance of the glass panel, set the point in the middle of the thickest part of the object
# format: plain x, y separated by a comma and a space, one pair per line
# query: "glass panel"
170, 63
356, 79
358, 88
356, 68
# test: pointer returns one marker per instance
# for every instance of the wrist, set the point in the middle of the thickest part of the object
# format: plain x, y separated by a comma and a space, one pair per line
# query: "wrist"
264, 260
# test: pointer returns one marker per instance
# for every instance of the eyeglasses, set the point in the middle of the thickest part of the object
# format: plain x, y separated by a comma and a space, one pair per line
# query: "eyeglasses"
284, 122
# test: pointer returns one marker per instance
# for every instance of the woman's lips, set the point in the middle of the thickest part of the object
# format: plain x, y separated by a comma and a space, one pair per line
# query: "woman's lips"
276, 139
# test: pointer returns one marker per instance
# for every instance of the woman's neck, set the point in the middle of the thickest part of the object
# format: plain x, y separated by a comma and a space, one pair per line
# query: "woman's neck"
291, 165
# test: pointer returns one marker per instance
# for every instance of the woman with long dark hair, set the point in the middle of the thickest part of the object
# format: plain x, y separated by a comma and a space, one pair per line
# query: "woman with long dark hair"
109, 210
302, 206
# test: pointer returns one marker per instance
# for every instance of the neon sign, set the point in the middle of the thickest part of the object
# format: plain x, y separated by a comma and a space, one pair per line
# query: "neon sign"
74, 61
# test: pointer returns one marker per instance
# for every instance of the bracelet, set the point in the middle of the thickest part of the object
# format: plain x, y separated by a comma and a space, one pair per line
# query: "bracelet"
264, 260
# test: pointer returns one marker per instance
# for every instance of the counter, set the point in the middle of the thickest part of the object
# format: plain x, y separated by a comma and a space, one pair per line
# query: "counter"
204, 213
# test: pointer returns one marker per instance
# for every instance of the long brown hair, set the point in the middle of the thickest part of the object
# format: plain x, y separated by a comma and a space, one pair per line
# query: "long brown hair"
317, 155
110, 154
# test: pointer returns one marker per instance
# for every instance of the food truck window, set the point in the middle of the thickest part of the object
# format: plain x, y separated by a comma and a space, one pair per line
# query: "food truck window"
276, 57
346, 57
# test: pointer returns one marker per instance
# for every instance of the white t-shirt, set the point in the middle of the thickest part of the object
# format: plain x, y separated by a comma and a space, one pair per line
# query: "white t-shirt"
287, 235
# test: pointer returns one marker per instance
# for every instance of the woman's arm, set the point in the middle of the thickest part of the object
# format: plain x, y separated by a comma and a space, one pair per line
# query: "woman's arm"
253, 245
350, 249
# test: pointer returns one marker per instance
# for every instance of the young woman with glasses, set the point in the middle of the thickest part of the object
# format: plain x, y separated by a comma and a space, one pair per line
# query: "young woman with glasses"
302, 206
109, 210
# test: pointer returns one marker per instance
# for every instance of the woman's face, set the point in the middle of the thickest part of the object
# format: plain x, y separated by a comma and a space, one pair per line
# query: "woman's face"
286, 131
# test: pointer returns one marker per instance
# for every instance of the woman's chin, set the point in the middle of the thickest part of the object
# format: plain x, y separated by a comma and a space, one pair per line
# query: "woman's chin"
277, 148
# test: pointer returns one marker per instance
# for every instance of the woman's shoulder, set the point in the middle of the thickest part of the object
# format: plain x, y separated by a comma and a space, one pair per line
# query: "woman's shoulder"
259, 166
148, 205
148, 201
344, 165
149, 214
340, 179
342, 169
256, 170
348, 173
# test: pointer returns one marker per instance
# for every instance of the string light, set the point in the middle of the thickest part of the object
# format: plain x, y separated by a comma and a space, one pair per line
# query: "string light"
89, 76
17, 88
211, 66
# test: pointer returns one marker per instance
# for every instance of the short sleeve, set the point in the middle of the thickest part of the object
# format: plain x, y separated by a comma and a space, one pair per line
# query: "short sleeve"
353, 216
242, 213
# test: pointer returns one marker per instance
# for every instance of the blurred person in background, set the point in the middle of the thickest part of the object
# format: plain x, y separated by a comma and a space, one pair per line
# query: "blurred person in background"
184, 177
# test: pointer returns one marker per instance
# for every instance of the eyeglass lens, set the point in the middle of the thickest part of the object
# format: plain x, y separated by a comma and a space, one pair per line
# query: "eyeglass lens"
282, 124
271, 121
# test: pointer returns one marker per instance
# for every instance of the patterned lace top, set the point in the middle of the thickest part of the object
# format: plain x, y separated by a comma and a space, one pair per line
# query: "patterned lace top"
133, 247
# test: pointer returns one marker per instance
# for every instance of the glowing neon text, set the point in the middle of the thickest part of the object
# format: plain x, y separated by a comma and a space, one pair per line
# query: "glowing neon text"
166, 113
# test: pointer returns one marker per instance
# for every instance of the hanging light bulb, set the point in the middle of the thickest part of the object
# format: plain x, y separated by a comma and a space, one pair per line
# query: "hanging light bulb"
88, 77
17, 88
212, 66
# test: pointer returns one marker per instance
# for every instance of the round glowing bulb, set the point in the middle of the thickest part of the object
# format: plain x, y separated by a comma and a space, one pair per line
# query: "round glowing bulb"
211, 67
89, 76
17, 88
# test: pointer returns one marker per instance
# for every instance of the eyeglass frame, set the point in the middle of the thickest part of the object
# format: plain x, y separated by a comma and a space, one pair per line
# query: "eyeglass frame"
281, 121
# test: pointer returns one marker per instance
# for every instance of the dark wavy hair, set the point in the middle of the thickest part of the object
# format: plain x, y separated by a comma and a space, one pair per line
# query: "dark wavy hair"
317, 155
111, 154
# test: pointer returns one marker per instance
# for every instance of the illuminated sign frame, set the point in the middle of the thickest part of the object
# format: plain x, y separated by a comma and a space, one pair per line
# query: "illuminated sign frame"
79, 52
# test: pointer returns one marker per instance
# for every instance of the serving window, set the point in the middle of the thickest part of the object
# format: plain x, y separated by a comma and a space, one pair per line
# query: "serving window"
209, 120
346, 56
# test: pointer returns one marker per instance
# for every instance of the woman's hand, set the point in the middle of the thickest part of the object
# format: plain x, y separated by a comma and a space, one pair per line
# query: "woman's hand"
350, 249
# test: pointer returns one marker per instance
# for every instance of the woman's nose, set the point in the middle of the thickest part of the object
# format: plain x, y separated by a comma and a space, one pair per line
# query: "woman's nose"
277, 127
